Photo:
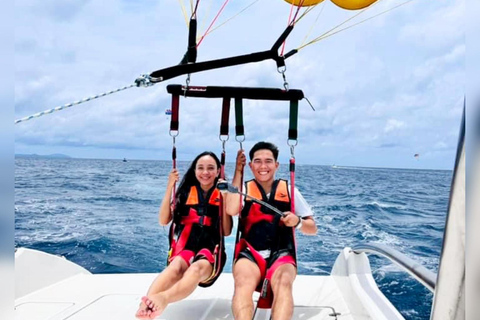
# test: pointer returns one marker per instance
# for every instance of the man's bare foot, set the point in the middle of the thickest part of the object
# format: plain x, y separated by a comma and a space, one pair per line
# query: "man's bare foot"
156, 304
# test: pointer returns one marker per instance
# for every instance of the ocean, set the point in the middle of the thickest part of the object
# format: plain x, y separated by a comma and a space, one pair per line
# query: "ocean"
102, 215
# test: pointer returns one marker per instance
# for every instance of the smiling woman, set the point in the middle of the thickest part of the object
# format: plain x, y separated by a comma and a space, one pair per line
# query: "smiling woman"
197, 253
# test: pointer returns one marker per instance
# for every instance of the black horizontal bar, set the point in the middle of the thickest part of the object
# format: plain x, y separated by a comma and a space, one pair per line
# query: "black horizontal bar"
175, 71
236, 92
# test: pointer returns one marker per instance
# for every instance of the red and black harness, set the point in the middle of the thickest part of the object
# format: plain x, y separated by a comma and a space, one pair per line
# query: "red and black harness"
196, 231
261, 229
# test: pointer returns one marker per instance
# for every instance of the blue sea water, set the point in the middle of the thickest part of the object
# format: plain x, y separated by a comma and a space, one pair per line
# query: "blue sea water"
102, 215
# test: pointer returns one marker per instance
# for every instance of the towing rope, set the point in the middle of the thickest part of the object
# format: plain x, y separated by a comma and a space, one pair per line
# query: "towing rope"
142, 81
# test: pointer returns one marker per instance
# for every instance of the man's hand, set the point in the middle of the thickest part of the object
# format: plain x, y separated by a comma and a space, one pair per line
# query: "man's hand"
241, 160
290, 220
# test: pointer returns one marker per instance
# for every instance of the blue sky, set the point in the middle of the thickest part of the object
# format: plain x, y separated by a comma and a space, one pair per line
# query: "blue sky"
383, 91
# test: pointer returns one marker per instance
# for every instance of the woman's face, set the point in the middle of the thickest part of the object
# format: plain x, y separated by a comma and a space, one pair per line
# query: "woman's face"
206, 171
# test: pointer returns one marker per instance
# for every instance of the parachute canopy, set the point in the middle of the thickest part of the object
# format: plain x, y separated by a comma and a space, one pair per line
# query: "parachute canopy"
345, 4
417, 156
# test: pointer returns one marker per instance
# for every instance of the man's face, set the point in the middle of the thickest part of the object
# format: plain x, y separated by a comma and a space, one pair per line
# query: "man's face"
263, 165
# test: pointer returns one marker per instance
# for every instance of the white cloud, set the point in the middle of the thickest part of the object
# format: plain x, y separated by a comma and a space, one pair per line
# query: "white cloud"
393, 125
366, 83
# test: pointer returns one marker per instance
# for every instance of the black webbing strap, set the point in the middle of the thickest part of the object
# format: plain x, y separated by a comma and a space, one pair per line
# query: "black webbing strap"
225, 117
191, 54
292, 129
175, 107
239, 129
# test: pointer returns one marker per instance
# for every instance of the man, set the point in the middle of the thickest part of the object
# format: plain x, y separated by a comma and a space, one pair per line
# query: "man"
265, 258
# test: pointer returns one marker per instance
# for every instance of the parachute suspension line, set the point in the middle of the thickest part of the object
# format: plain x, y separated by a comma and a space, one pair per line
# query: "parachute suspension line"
206, 16
291, 22
142, 81
232, 17
336, 27
212, 23
307, 10
194, 10
314, 23
184, 11
174, 126
292, 142
330, 33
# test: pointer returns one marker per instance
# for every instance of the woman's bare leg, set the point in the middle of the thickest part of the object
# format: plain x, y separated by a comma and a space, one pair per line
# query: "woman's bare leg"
165, 280
200, 270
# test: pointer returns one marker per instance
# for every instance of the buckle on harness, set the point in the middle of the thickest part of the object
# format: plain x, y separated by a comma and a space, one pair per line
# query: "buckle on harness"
263, 293
205, 221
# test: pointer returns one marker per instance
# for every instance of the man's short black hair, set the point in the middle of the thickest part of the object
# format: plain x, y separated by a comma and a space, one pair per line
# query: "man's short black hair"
264, 145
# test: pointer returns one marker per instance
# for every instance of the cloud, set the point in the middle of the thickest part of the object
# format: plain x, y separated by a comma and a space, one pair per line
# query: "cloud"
399, 76
393, 125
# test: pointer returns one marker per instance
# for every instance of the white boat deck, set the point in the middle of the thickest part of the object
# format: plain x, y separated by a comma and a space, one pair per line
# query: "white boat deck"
75, 294
116, 296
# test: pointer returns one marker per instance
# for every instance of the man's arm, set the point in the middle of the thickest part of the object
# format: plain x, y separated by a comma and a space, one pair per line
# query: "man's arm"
303, 217
305, 224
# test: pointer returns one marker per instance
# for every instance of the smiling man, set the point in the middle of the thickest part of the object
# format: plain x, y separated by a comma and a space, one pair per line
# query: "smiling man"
265, 253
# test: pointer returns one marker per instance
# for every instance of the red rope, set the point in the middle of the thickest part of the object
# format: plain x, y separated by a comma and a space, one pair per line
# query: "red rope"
291, 21
211, 24
194, 13
292, 184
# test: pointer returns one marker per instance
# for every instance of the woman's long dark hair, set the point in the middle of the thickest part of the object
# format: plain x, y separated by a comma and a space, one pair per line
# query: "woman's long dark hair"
190, 179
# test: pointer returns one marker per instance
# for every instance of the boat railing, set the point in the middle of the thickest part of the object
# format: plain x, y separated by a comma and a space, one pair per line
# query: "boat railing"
415, 269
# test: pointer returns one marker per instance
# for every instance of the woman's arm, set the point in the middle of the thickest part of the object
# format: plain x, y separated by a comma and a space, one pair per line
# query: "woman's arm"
233, 200
165, 212
227, 221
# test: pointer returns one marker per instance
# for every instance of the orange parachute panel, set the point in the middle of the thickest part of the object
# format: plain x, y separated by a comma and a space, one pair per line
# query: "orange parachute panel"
353, 4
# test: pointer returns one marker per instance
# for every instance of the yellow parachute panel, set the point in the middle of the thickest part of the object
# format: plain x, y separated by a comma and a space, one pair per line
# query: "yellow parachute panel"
305, 3
345, 4
353, 4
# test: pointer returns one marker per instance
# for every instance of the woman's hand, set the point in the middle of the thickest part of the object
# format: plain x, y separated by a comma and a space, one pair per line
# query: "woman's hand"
173, 177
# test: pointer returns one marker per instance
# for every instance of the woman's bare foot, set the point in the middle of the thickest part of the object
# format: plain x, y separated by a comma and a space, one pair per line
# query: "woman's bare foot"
155, 304
143, 311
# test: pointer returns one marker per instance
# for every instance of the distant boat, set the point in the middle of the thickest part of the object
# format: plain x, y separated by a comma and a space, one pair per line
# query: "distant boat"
124, 159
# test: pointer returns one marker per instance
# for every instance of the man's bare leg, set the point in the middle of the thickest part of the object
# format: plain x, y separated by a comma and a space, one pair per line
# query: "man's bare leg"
247, 276
165, 280
282, 283
200, 270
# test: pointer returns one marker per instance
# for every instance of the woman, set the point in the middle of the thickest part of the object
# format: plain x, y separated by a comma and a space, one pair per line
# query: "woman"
196, 255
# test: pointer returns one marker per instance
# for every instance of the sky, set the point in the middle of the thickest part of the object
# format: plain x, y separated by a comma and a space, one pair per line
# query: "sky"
383, 90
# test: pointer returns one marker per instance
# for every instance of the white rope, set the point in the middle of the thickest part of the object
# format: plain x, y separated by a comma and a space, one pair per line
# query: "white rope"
142, 81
